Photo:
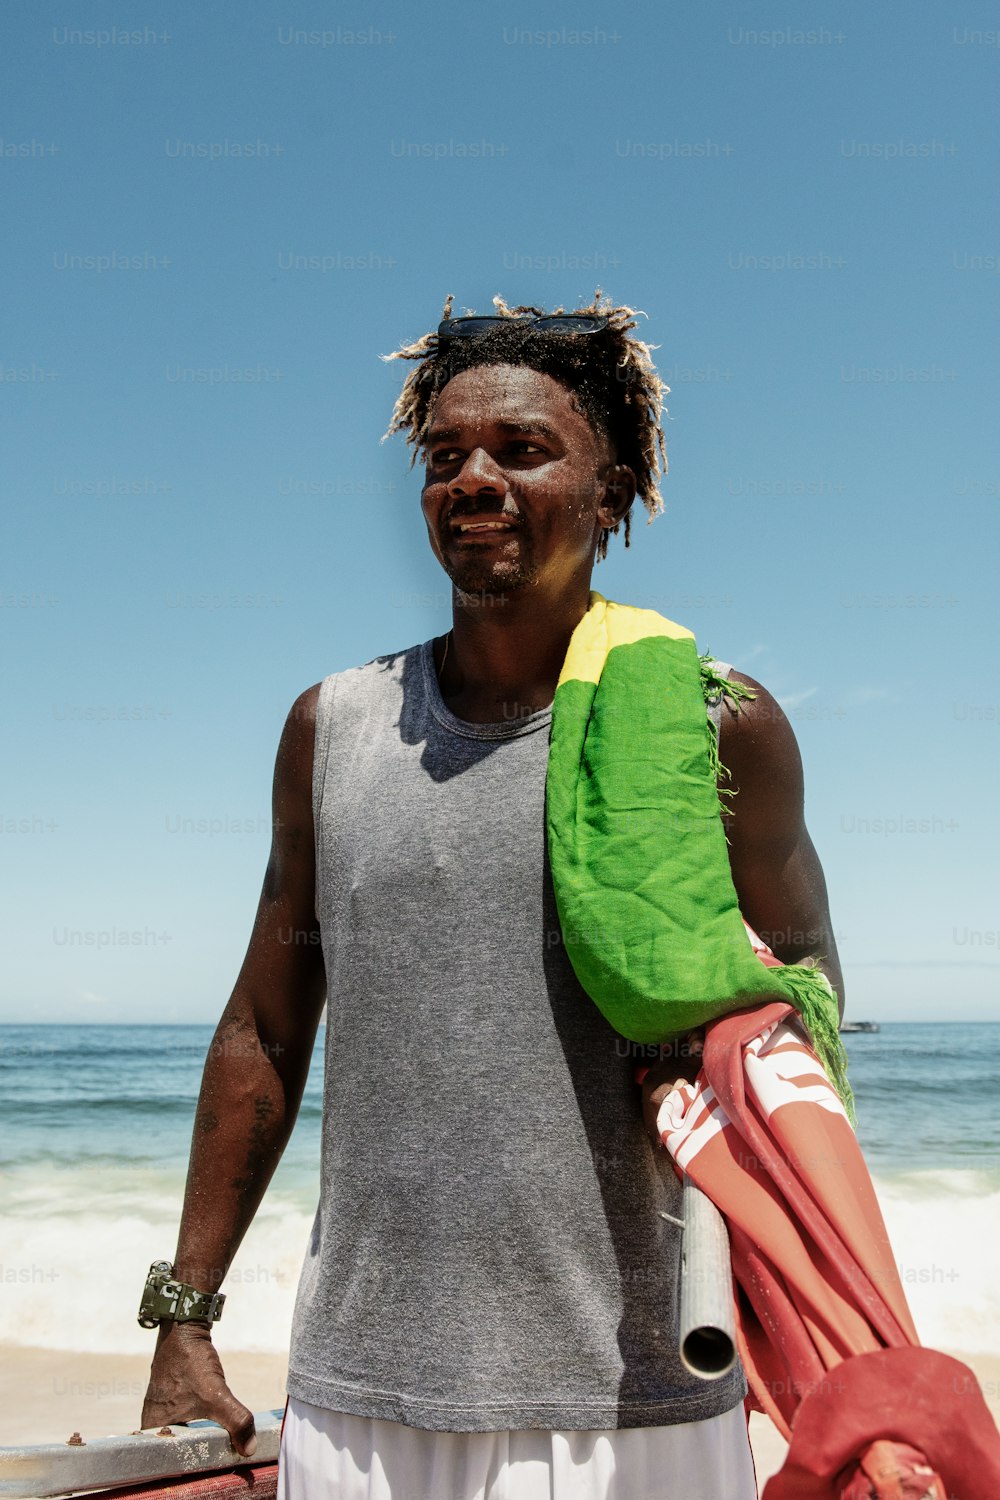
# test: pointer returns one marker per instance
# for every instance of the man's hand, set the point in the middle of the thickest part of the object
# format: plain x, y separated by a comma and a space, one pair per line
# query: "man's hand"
680, 1065
186, 1383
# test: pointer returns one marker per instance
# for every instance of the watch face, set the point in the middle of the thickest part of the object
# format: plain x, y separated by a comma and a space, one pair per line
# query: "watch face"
155, 1305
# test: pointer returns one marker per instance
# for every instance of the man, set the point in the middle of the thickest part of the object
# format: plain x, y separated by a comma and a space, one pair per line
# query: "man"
489, 1299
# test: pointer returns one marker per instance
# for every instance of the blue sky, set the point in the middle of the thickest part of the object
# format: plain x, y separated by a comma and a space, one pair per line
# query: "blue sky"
216, 220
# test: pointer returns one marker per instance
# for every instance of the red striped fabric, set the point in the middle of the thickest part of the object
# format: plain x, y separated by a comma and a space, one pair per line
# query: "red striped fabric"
762, 1132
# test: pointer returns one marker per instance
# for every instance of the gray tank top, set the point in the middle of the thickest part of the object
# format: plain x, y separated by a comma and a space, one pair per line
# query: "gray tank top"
487, 1253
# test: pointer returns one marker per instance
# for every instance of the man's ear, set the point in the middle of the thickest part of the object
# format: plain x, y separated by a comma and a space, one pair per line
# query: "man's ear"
619, 492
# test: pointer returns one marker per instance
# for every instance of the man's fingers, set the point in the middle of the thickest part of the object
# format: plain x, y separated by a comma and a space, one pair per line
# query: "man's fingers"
653, 1096
231, 1414
221, 1406
238, 1421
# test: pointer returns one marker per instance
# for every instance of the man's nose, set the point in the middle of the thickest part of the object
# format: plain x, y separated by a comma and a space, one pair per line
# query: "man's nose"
478, 474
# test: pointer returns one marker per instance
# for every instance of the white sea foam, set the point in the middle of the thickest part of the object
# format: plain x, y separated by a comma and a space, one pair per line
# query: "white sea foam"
944, 1228
76, 1243
75, 1247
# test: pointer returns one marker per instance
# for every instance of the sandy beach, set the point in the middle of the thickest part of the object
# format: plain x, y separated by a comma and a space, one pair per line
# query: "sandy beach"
46, 1394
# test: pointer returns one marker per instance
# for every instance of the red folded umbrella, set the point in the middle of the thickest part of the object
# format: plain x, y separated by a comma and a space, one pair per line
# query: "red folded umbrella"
823, 1327
901, 1424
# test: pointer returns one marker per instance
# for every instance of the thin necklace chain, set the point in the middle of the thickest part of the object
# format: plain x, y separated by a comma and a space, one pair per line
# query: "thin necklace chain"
444, 657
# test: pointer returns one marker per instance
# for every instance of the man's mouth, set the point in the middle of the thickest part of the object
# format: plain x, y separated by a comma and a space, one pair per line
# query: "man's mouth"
483, 524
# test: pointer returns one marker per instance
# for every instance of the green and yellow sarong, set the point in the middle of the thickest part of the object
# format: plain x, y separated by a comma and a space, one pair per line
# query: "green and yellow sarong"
638, 853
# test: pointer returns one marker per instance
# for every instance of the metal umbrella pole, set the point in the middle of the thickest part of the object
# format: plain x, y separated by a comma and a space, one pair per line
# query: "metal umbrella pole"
707, 1330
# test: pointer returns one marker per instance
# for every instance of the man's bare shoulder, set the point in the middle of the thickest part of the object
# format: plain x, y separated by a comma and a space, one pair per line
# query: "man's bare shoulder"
293, 766
758, 748
755, 736
303, 710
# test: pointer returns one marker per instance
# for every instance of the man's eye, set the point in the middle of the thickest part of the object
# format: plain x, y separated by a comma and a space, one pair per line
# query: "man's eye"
521, 448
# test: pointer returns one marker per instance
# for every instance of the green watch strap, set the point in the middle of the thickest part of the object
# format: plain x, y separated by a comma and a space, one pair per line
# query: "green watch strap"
165, 1300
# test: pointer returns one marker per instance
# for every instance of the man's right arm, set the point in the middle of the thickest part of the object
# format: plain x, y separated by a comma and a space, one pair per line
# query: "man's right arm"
251, 1089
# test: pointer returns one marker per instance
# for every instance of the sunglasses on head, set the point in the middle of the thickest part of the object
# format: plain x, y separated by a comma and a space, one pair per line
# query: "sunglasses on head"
465, 328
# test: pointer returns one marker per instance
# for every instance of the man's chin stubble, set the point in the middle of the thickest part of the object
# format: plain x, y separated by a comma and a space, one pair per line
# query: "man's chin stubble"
483, 578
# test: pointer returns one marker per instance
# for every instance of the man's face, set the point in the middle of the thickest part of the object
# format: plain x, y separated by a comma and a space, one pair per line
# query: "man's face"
515, 479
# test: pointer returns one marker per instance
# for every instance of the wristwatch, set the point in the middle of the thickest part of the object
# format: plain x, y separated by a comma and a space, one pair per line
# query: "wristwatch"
165, 1300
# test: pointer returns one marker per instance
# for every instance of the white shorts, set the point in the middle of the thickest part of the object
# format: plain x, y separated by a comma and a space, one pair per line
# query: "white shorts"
331, 1455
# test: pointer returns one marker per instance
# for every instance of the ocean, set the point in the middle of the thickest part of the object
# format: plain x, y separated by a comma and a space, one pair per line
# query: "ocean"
95, 1129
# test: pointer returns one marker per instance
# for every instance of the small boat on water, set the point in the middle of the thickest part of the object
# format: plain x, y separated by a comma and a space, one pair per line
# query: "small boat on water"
853, 1026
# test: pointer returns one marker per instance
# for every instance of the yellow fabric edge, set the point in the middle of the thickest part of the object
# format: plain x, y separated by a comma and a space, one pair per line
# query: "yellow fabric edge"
606, 625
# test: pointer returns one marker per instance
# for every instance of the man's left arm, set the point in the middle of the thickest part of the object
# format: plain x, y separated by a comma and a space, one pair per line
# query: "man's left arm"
776, 870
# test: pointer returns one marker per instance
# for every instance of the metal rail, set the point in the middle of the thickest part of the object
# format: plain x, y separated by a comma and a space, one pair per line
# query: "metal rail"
178, 1451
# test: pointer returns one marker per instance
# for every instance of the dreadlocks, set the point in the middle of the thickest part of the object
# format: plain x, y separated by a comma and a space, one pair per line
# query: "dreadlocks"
610, 375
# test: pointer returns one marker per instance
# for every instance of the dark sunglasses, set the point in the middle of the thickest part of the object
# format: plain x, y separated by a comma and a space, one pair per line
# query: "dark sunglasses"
465, 328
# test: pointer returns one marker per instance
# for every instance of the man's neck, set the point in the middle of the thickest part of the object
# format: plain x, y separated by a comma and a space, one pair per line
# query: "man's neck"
505, 653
